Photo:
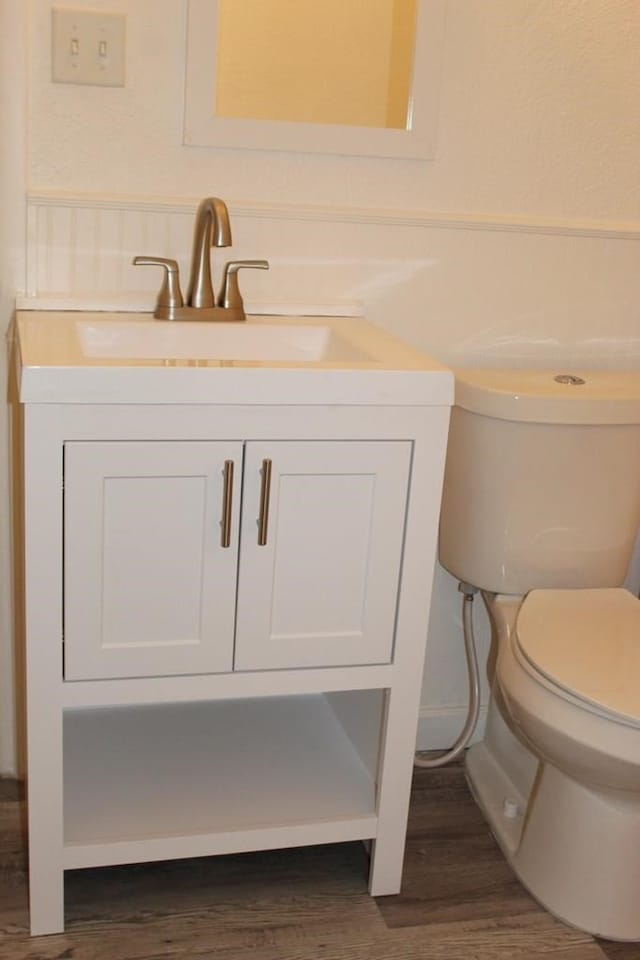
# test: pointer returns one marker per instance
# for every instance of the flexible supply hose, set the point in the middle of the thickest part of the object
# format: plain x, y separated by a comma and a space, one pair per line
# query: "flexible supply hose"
474, 685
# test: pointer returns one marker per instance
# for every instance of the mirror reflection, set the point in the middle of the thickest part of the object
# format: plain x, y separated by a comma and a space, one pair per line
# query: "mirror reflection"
344, 62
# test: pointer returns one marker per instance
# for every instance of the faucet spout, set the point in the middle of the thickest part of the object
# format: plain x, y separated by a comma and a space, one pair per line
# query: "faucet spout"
212, 229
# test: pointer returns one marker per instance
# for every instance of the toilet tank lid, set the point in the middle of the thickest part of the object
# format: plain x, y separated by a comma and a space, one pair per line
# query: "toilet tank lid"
536, 396
588, 643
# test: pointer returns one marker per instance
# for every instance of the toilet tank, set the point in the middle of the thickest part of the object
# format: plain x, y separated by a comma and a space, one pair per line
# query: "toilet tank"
542, 481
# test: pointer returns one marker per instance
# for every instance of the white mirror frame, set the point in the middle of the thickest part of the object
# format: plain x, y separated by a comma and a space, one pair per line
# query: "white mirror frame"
203, 129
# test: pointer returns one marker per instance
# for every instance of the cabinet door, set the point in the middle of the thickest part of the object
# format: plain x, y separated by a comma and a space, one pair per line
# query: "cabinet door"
320, 588
149, 583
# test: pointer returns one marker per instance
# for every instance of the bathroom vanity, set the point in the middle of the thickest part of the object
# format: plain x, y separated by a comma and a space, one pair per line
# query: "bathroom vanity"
229, 538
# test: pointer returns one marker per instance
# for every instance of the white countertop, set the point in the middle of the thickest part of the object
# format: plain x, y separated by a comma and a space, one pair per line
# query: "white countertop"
52, 367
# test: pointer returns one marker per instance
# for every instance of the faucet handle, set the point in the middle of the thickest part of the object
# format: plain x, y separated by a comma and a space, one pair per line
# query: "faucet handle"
230, 297
170, 296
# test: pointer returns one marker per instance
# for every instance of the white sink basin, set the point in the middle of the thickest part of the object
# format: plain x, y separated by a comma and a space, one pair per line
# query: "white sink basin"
119, 358
265, 342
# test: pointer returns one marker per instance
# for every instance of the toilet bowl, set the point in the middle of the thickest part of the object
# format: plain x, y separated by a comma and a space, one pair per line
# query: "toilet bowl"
558, 772
540, 511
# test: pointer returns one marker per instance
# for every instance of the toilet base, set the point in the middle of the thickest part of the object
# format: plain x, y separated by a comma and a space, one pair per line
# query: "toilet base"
576, 851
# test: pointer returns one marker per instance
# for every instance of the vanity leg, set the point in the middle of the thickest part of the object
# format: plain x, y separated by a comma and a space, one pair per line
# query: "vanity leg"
394, 789
44, 797
43, 669
398, 740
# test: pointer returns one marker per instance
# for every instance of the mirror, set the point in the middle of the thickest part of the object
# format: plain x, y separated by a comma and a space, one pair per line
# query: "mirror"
366, 75
310, 62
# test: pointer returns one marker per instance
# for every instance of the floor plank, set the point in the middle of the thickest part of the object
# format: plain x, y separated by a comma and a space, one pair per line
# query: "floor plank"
460, 900
620, 951
454, 869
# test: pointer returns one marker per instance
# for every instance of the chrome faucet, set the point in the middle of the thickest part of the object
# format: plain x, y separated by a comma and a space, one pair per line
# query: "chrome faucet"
212, 229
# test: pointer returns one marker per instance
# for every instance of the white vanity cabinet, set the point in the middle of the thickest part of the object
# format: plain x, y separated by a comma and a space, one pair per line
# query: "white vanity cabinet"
151, 536
227, 584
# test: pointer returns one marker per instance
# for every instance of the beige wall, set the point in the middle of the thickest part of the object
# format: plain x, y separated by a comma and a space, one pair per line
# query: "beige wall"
523, 231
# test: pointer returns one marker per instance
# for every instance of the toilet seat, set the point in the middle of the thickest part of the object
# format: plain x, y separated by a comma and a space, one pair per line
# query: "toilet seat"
586, 643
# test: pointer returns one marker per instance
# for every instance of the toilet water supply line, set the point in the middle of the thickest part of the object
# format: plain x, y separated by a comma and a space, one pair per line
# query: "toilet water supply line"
430, 763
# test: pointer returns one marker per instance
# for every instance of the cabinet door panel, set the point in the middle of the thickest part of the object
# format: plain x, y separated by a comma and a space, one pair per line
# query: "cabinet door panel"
322, 590
149, 588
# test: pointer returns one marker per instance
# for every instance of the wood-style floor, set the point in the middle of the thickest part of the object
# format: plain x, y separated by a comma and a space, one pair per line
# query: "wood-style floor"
460, 900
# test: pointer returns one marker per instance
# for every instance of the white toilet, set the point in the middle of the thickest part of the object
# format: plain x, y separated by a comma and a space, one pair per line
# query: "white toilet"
540, 511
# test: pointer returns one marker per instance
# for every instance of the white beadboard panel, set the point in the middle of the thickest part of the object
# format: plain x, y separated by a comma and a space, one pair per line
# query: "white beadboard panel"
78, 248
350, 214
492, 290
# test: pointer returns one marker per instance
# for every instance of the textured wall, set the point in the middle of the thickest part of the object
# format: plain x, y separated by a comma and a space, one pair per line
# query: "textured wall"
538, 115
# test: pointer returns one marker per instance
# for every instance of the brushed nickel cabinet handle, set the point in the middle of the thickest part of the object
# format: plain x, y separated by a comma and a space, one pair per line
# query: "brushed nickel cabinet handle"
265, 490
227, 501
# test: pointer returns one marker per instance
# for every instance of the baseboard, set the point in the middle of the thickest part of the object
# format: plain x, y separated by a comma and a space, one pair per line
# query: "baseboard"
439, 727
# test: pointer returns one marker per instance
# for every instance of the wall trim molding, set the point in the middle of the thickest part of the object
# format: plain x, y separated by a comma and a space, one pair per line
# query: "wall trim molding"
383, 216
440, 726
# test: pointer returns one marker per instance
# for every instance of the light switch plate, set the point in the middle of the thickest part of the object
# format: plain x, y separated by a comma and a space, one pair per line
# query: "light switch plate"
87, 47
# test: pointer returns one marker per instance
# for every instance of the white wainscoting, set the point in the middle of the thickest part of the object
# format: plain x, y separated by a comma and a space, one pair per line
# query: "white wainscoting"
82, 245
